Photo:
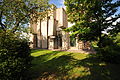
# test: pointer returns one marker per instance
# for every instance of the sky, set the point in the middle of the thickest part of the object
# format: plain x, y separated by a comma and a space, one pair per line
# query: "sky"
58, 3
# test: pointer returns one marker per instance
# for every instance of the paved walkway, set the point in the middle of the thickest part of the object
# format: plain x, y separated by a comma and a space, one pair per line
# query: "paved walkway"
82, 51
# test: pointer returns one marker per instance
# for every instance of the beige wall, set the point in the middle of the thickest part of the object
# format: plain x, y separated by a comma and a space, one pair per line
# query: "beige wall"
59, 16
51, 26
44, 33
57, 19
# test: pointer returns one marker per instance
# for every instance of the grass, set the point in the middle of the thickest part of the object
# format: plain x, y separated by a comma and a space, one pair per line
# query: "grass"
58, 65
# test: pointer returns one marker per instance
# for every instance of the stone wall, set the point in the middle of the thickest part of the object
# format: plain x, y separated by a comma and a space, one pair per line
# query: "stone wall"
46, 31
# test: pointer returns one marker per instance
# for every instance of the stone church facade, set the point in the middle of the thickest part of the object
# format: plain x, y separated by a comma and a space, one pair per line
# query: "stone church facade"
49, 33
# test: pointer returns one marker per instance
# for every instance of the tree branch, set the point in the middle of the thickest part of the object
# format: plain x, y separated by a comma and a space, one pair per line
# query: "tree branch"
18, 22
32, 11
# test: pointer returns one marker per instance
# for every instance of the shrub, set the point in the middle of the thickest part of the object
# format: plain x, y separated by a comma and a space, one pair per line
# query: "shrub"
14, 56
110, 52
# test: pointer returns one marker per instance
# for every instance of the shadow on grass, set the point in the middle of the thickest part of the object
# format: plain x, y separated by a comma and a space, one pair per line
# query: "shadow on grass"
99, 70
50, 66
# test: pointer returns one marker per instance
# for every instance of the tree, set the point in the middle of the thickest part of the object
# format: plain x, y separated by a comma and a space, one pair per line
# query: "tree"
91, 17
15, 58
16, 14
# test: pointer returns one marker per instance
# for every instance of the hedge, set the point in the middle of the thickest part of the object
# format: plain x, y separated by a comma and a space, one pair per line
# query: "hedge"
15, 56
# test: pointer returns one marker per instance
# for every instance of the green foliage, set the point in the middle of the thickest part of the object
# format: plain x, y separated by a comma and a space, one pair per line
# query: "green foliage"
15, 56
110, 51
16, 14
91, 17
14, 50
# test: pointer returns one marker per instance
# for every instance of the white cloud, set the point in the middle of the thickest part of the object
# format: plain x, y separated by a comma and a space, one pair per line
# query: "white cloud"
62, 4
62, 1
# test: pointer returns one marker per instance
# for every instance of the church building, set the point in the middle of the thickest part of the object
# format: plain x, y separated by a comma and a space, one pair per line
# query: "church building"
48, 33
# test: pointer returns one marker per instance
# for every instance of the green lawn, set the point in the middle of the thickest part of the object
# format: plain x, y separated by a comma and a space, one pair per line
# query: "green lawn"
58, 65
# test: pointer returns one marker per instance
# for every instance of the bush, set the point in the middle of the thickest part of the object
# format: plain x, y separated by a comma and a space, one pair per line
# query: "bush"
14, 56
110, 52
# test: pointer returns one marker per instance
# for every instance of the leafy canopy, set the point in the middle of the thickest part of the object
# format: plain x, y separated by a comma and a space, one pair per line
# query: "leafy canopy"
16, 14
91, 17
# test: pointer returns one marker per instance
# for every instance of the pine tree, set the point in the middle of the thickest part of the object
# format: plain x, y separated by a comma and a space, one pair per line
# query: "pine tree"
91, 17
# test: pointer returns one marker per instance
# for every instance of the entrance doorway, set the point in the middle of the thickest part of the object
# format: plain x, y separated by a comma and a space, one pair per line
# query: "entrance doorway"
72, 41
